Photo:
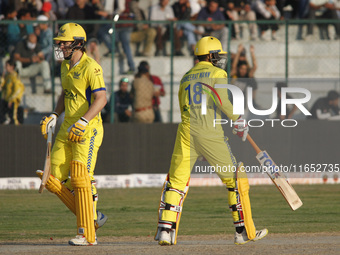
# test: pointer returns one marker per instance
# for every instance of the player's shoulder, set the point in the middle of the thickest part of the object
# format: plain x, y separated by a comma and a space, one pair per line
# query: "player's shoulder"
92, 66
217, 72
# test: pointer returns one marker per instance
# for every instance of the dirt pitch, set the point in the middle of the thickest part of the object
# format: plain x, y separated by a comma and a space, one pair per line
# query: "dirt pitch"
317, 243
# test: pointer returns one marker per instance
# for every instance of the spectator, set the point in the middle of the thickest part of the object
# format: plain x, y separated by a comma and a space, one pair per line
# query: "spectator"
31, 62
326, 108
267, 10
44, 34
60, 8
290, 110
322, 9
302, 13
81, 10
10, 14
93, 49
158, 88
242, 73
212, 13
123, 35
123, 102
20, 31
102, 29
47, 11
162, 12
230, 13
142, 93
182, 11
196, 6
142, 33
247, 14
12, 92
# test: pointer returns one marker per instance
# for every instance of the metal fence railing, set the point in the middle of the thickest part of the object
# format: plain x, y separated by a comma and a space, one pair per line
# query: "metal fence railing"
313, 63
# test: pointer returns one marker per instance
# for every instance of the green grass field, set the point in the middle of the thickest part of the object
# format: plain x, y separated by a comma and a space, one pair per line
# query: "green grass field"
28, 215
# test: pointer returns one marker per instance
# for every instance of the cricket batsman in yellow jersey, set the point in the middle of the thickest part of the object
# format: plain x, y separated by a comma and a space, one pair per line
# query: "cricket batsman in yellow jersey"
197, 136
76, 145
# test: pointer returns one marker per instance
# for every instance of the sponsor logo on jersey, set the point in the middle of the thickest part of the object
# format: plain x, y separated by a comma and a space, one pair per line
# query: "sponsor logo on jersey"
76, 75
96, 70
69, 94
185, 108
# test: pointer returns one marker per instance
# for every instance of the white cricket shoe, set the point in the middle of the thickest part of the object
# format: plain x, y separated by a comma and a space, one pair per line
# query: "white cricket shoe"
242, 238
80, 240
164, 238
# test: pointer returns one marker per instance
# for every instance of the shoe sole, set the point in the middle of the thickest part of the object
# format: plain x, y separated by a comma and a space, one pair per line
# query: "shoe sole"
164, 243
256, 239
242, 243
88, 244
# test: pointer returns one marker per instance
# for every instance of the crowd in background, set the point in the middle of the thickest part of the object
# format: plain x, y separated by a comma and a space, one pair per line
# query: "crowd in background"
29, 45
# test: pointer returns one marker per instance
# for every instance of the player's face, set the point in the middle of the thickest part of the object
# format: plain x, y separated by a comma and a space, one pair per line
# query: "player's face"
65, 48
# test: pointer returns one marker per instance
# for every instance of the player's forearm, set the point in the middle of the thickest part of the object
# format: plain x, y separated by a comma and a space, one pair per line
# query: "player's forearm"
97, 105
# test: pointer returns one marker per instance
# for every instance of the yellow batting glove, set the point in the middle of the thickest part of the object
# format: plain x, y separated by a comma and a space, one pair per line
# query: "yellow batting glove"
48, 122
77, 130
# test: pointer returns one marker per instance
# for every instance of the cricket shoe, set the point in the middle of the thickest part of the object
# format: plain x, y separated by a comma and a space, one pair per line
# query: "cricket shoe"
164, 238
101, 220
242, 238
80, 240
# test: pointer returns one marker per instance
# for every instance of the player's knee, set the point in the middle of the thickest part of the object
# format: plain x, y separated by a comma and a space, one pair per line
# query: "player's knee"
79, 175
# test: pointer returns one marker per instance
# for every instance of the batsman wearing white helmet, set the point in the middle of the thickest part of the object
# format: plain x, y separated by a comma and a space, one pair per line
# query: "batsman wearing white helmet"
76, 145
201, 102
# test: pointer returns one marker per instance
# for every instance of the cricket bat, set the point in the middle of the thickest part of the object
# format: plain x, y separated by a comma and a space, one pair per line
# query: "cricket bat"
278, 178
47, 166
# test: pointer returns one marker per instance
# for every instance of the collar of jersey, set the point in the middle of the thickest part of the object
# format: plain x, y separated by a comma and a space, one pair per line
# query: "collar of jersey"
205, 63
80, 60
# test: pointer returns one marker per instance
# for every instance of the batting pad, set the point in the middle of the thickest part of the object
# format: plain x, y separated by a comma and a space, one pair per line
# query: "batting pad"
81, 184
165, 209
243, 189
53, 185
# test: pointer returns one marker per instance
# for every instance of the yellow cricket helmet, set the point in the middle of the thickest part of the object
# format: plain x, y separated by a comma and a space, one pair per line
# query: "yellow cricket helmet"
207, 45
70, 32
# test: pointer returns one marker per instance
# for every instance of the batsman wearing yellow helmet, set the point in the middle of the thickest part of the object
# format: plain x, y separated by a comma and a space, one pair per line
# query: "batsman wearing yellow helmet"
76, 145
201, 102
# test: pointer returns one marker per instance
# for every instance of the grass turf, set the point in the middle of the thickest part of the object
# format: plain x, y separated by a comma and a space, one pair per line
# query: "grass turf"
25, 214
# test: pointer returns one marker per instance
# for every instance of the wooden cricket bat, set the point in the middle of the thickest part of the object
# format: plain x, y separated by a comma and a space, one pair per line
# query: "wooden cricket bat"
278, 178
47, 166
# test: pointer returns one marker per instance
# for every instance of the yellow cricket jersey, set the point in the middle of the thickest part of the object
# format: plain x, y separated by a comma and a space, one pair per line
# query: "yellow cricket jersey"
198, 86
79, 84
12, 88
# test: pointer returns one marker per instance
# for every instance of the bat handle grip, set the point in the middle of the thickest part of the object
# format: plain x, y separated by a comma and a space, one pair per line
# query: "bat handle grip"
251, 141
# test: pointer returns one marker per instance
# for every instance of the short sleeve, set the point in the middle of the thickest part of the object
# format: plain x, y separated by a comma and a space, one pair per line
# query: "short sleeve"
96, 80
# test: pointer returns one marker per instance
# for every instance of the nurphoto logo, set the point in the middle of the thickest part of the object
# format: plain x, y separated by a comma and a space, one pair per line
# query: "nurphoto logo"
199, 98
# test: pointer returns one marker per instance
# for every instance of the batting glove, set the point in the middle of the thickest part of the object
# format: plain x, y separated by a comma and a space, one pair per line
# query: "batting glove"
241, 128
77, 130
48, 122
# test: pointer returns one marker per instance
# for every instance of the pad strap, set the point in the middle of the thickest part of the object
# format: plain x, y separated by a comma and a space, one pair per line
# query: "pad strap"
170, 207
181, 193
165, 224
